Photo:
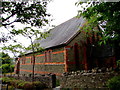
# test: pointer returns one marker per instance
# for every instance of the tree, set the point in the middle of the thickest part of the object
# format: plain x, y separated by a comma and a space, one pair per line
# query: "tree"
6, 63
106, 15
32, 13
28, 13
5, 58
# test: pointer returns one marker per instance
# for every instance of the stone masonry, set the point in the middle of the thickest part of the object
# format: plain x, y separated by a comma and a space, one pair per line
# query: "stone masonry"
85, 79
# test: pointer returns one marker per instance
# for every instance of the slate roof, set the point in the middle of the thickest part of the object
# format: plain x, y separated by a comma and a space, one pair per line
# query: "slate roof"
62, 33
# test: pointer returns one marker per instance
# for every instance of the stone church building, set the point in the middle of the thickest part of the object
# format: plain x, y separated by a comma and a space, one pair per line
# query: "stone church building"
67, 49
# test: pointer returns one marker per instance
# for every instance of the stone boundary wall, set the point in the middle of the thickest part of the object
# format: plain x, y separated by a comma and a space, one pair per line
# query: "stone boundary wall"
85, 79
49, 79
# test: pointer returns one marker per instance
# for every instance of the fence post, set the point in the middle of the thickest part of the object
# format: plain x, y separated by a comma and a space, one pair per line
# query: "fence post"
53, 80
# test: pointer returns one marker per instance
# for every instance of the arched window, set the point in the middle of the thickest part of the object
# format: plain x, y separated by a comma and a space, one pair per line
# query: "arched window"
48, 56
23, 60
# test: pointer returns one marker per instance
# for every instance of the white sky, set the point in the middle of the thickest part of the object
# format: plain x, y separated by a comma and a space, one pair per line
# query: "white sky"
62, 10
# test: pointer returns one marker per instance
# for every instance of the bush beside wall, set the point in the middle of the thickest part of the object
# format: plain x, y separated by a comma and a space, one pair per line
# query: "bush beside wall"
23, 84
47, 80
114, 83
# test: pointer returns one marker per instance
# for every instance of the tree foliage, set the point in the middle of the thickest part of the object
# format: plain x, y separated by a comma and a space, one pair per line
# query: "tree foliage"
107, 16
6, 63
28, 13
30, 34
5, 58
31, 14
24, 12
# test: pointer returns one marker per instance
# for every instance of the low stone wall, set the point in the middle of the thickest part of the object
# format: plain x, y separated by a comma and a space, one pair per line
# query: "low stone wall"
85, 79
49, 79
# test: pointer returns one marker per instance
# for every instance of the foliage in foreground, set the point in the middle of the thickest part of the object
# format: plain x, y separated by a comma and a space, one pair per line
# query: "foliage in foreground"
114, 83
6, 63
31, 16
7, 68
30, 13
23, 84
106, 17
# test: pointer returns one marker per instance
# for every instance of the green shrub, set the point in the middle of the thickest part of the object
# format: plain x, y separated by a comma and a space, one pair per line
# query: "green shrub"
23, 84
114, 83
38, 84
5, 68
16, 83
31, 85
6, 80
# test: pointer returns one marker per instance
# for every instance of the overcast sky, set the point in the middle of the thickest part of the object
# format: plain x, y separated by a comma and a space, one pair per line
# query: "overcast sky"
62, 10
